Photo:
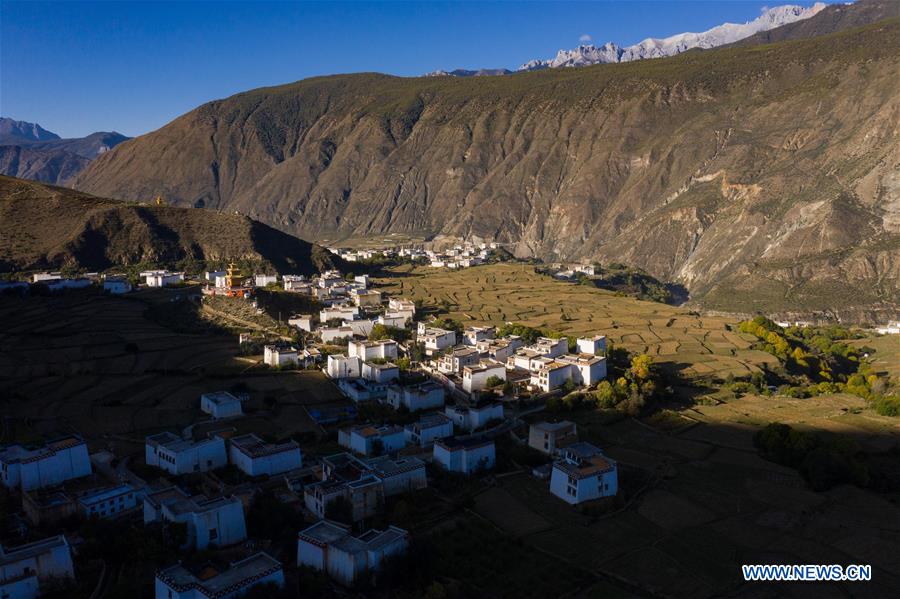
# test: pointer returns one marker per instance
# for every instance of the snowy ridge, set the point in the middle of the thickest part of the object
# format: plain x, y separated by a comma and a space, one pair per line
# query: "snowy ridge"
726, 33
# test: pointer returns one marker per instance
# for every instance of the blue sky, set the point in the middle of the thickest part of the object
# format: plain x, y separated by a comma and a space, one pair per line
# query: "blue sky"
79, 67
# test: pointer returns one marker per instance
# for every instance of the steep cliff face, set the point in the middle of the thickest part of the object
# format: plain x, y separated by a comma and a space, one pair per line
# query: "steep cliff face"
773, 167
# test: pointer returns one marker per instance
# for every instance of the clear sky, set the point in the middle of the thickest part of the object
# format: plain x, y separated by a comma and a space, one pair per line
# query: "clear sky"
79, 67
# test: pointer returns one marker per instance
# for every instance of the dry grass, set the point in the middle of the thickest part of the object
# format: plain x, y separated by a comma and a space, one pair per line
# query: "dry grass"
699, 345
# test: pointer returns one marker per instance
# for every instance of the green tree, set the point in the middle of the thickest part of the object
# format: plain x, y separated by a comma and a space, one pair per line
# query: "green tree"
493, 381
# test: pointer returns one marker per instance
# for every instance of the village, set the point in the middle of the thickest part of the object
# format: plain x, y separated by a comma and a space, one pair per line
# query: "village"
426, 398
460, 255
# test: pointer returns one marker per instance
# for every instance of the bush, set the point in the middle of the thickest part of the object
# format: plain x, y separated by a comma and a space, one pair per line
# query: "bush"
493, 381
887, 406
381, 331
823, 461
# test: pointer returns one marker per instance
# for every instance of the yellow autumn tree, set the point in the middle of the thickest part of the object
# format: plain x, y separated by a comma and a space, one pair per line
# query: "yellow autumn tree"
640, 367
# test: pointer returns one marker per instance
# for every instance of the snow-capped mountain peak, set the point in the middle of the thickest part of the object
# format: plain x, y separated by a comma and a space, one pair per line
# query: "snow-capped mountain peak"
726, 33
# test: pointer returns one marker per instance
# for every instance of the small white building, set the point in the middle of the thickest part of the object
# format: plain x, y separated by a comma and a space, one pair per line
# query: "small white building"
164, 279
380, 373
177, 582
392, 319
371, 440
26, 568
435, 340
116, 285
583, 473
398, 304
469, 418
399, 475
371, 350
281, 354
212, 275
339, 366
296, 283
339, 313
552, 376
29, 468
428, 429
550, 347
361, 390
455, 360
332, 334
220, 404
594, 346
475, 377
548, 437
44, 277
587, 369
423, 396
361, 327
263, 280
366, 298
472, 335
63, 284
500, 349
254, 457
304, 322
210, 522
108, 503
182, 456
892, 328
464, 455
329, 547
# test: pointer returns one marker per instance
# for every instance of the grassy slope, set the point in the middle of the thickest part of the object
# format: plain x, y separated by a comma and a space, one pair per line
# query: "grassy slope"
49, 227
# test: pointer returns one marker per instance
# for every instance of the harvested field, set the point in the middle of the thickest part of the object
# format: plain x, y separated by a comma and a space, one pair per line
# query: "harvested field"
711, 504
493, 294
100, 366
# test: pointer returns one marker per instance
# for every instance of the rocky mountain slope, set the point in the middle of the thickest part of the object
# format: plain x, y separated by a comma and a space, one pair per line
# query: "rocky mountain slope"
49, 166
761, 178
832, 18
721, 35
14, 132
29, 151
43, 227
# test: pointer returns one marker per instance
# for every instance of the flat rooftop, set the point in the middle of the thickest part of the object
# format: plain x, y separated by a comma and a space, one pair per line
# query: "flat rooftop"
255, 447
214, 583
29, 550
21, 453
221, 398
104, 494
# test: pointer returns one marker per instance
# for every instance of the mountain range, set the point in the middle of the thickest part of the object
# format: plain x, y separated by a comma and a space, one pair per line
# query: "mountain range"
721, 35
47, 227
727, 33
29, 151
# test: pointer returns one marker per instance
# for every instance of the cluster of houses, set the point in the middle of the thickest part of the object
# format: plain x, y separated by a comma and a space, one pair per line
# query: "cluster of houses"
354, 315
570, 272
56, 282
461, 255
458, 394
543, 366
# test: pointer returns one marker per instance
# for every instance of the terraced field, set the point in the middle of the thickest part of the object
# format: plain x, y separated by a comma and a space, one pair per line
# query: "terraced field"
99, 366
697, 345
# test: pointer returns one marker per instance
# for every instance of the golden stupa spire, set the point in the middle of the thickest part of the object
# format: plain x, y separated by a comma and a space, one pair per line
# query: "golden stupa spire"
229, 275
